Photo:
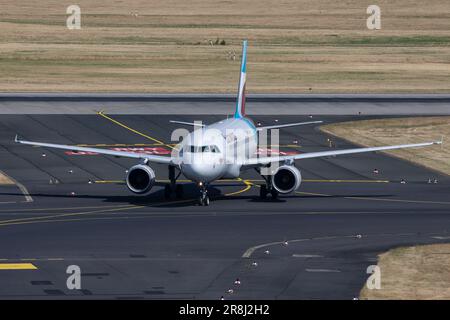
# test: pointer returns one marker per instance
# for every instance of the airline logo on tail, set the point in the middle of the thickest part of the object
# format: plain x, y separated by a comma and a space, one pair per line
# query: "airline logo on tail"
240, 104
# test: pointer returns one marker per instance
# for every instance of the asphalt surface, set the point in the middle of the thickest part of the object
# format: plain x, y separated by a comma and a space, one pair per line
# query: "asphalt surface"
145, 247
199, 104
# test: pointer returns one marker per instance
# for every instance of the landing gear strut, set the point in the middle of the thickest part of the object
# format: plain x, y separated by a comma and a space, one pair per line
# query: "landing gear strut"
203, 199
172, 187
267, 188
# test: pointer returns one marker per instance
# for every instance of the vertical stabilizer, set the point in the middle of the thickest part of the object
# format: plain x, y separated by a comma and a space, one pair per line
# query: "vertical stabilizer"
240, 103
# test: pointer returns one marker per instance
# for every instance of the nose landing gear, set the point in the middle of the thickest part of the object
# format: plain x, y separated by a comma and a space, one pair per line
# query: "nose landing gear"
203, 199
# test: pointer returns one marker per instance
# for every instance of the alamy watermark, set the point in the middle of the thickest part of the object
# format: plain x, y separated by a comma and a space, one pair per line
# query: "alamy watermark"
233, 146
74, 280
373, 22
374, 280
73, 21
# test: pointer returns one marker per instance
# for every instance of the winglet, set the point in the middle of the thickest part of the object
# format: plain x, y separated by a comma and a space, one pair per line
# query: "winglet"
16, 139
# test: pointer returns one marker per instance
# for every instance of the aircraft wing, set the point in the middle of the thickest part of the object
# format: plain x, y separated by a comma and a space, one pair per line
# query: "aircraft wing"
149, 157
287, 125
267, 160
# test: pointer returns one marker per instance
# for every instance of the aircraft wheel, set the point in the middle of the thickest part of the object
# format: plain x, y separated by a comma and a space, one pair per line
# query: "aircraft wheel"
203, 201
263, 191
274, 194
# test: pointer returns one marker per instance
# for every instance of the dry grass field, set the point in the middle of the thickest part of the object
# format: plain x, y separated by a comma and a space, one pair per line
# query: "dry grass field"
400, 131
4, 180
163, 46
413, 273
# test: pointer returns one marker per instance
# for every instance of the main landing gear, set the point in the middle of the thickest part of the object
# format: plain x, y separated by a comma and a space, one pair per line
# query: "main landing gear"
203, 200
267, 188
173, 187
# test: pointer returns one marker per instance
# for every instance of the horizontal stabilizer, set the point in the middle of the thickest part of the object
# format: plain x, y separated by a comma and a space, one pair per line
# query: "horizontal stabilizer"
287, 125
188, 123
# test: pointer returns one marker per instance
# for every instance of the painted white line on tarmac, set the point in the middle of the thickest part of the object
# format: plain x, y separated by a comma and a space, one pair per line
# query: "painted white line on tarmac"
295, 255
23, 189
323, 270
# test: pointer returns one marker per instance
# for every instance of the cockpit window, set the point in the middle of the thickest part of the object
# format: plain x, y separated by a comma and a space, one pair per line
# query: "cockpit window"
215, 149
194, 149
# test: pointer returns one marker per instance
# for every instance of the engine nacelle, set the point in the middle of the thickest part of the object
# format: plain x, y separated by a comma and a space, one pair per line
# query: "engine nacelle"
286, 179
140, 178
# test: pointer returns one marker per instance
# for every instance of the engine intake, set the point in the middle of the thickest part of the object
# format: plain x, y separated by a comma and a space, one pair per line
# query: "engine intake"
286, 179
140, 178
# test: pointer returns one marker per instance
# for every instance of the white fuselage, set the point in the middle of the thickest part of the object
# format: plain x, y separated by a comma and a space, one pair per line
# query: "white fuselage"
218, 150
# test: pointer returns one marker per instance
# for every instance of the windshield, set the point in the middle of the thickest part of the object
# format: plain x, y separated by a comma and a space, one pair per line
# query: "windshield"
195, 149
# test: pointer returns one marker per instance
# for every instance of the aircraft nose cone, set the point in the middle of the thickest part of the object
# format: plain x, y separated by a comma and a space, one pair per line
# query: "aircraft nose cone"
205, 171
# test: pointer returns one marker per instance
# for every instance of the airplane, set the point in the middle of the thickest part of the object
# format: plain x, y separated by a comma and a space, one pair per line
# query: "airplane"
202, 156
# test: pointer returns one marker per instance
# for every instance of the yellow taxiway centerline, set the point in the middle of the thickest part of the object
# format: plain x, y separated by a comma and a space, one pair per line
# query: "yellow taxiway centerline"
21, 220
100, 113
248, 185
376, 199
17, 266
260, 180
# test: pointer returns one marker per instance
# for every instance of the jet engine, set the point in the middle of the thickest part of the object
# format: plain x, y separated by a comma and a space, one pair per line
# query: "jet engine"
286, 179
140, 178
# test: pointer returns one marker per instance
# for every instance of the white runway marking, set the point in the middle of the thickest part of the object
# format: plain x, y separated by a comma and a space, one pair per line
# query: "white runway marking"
322, 270
23, 189
295, 255
248, 253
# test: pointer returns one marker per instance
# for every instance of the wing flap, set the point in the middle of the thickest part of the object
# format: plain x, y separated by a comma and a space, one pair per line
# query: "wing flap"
187, 123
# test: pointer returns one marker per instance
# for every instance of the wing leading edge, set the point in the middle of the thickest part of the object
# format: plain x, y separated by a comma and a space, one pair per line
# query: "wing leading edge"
149, 157
267, 160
